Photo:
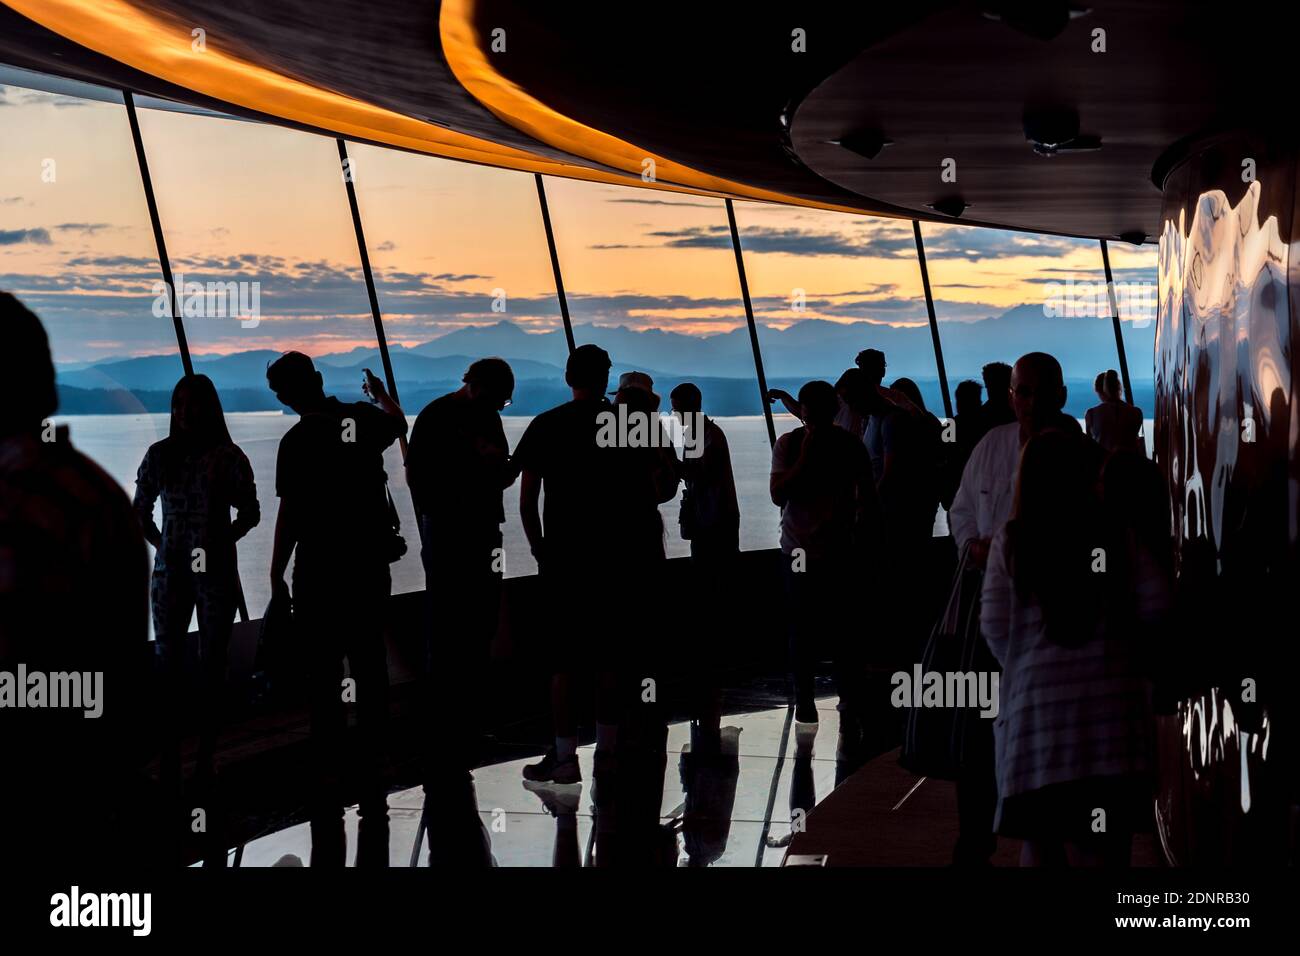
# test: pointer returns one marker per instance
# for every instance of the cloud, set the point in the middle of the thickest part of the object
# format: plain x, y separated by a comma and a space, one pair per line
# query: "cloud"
113, 262
17, 96
974, 244
881, 241
87, 298
86, 228
386, 246
457, 277
14, 237
665, 202
1056, 275
873, 239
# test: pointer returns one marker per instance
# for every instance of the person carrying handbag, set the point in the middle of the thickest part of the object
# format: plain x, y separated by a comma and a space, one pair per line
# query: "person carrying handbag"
981, 507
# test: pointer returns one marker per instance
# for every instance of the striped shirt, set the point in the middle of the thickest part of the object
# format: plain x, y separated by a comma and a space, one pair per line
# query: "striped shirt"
1066, 714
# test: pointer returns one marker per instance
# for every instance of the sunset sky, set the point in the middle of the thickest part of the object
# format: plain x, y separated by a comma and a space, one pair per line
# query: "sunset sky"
246, 202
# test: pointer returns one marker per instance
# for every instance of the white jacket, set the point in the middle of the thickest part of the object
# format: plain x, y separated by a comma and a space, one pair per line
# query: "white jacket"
988, 486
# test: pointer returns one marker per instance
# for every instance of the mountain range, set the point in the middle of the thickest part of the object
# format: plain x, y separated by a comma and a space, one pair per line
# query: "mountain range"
721, 364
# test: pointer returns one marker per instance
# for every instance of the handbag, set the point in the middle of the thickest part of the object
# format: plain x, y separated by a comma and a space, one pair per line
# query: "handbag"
278, 666
394, 544
934, 744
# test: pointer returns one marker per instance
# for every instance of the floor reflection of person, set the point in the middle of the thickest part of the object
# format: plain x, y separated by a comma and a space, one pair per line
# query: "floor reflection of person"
454, 829
334, 519
73, 598
200, 475
627, 801
709, 770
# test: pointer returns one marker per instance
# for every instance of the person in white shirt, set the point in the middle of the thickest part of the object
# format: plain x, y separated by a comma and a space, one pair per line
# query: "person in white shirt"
1074, 731
984, 497
980, 508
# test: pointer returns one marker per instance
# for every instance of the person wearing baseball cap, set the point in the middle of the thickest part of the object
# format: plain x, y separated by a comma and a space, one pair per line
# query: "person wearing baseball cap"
637, 380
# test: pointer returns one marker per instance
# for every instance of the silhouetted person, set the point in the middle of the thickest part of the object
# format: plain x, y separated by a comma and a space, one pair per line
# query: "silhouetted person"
873, 366
967, 396
912, 445
1114, 424
73, 600
997, 408
967, 430
457, 467
909, 500
558, 454
710, 515
646, 476
199, 474
821, 481
872, 362
1075, 732
849, 415
979, 510
334, 519
710, 520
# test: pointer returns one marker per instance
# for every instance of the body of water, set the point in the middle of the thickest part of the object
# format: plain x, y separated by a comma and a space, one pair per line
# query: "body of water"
118, 443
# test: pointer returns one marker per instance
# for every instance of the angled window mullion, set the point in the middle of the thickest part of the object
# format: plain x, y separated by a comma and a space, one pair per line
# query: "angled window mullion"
1114, 318
749, 320
934, 322
163, 261
380, 338
555, 262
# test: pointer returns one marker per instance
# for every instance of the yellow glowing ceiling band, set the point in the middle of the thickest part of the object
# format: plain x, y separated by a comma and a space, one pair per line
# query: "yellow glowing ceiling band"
513, 105
165, 48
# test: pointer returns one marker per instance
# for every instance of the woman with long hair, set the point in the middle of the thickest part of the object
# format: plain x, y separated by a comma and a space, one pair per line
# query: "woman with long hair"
1075, 584
199, 474
1113, 423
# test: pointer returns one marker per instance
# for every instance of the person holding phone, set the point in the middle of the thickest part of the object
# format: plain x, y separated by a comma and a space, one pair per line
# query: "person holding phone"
334, 519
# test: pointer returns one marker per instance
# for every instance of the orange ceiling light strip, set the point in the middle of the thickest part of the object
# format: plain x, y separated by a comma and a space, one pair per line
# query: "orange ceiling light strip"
164, 48
512, 104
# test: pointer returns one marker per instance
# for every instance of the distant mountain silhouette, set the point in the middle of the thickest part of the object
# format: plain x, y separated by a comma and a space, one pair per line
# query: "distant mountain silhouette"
819, 347
813, 348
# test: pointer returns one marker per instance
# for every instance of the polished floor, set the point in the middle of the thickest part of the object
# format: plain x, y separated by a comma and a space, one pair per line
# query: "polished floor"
775, 759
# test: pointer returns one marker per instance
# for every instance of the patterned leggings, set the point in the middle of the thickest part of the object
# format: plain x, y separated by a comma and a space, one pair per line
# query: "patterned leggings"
176, 594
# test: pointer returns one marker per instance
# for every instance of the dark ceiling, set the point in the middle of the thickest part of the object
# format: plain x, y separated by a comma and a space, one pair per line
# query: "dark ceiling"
718, 87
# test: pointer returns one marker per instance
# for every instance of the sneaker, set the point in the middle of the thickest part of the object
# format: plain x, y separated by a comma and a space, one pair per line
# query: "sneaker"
557, 799
551, 768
